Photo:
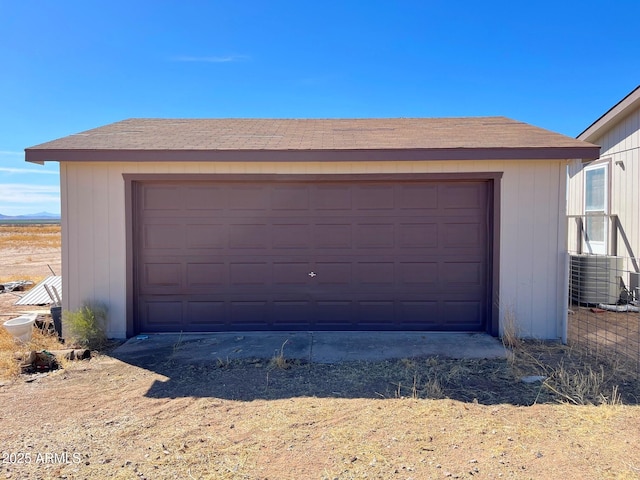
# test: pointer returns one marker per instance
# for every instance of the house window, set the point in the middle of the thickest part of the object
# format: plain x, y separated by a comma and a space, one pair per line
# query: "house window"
596, 182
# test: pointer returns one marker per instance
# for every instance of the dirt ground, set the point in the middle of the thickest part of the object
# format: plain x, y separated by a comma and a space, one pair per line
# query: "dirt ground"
405, 419
604, 331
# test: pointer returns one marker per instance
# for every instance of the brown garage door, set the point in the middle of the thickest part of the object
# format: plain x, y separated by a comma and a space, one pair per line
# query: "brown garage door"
322, 255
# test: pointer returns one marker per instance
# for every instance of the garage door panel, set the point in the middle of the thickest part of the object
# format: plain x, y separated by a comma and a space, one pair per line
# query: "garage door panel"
332, 235
205, 197
291, 273
212, 236
333, 314
418, 235
463, 196
165, 198
333, 273
162, 314
375, 235
418, 273
290, 198
249, 236
466, 236
370, 313
162, 275
418, 197
207, 313
419, 312
291, 236
290, 313
463, 313
375, 273
162, 236
249, 274
303, 255
248, 197
206, 275
246, 313
331, 198
463, 274
374, 197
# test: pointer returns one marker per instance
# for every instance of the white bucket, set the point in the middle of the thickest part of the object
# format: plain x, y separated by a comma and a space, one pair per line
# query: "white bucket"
21, 327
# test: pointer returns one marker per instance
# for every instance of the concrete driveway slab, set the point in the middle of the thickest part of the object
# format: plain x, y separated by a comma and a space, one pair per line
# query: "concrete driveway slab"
318, 347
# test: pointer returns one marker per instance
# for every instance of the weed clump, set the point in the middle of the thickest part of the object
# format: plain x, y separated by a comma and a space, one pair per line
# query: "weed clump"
510, 331
279, 361
87, 325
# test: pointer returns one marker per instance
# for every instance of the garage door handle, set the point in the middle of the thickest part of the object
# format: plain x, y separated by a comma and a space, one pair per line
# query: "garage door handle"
312, 274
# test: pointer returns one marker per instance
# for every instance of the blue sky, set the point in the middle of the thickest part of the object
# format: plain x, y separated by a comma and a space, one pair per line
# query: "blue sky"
68, 66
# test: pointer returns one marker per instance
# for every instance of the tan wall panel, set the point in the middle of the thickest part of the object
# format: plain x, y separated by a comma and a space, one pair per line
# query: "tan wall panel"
94, 228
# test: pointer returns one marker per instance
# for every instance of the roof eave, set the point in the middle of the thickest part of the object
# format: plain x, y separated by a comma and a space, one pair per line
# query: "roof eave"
587, 152
616, 113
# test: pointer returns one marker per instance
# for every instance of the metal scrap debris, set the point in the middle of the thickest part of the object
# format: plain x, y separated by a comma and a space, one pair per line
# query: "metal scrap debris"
38, 295
618, 308
17, 285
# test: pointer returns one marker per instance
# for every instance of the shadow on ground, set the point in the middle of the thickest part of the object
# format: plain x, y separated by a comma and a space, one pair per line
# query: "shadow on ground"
485, 381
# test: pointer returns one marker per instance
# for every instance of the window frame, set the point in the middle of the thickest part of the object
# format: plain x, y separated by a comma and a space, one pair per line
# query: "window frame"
597, 247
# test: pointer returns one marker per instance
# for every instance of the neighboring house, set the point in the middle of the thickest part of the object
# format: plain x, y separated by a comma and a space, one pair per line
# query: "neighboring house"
604, 195
451, 224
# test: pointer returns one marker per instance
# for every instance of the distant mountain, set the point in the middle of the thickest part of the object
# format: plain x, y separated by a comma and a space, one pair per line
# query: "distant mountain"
32, 216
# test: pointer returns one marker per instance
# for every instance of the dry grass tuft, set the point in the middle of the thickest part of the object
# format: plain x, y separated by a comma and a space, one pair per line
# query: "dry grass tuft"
510, 332
9, 366
279, 360
178, 343
223, 362
17, 277
575, 376
36, 236
582, 387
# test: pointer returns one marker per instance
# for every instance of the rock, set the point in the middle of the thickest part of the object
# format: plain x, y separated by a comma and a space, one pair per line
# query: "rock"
533, 379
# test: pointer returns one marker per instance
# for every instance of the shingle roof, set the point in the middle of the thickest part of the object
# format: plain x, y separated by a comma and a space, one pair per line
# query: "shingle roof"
308, 135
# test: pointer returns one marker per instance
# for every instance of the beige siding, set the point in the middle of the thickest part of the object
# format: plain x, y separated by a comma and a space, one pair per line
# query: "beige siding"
575, 203
621, 148
533, 230
622, 145
623, 137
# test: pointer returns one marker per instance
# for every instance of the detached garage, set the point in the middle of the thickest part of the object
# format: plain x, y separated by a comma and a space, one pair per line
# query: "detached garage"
343, 224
